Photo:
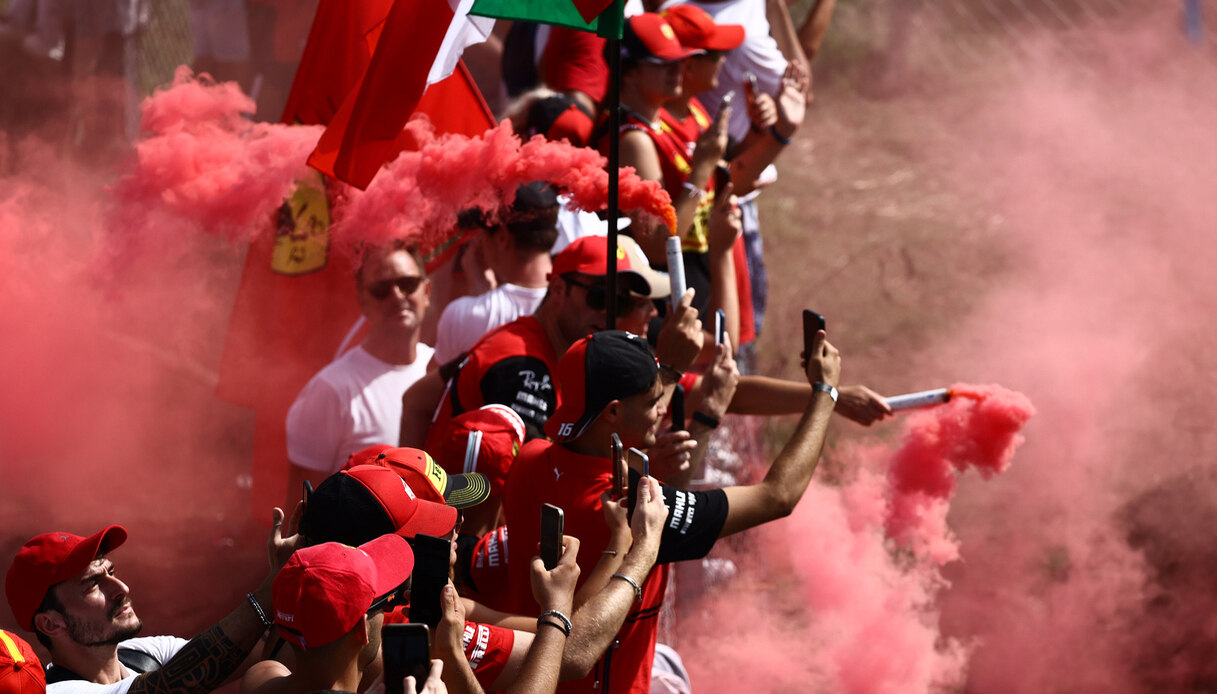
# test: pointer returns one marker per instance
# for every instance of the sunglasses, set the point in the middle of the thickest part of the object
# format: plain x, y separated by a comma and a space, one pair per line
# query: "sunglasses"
390, 600
597, 297
408, 285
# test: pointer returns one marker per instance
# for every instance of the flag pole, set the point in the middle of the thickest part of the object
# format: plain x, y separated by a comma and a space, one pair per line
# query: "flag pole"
610, 27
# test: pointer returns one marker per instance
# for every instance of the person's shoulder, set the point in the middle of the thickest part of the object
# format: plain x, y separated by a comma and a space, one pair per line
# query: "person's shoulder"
515, 337
160, 647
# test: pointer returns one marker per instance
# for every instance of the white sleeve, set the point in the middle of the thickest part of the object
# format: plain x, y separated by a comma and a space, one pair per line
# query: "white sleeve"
161, 648
461, 325
314, 427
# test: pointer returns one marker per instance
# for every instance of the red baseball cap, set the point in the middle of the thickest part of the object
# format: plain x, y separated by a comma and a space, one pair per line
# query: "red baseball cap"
362, 503
695, 28
588, 255
425, 477
490, 451
323, 590
52, 558
602, 367
20, 670
649, 38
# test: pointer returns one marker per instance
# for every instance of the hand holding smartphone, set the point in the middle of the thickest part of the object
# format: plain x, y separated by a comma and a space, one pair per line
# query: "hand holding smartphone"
551, 535
407, 651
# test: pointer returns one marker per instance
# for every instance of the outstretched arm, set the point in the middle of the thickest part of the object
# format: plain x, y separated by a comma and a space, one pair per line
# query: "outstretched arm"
211, 657
777, 494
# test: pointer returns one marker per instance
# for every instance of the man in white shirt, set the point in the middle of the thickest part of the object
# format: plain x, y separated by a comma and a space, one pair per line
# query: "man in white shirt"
355, 401
517, 250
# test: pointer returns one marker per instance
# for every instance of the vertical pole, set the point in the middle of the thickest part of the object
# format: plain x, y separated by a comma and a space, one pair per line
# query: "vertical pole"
610, 27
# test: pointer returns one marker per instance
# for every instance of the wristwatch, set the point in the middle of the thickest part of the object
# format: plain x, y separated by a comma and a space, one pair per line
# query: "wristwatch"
825, 388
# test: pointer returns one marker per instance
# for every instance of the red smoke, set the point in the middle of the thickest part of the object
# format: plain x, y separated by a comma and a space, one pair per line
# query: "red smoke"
449, 173
978, 428
864, 557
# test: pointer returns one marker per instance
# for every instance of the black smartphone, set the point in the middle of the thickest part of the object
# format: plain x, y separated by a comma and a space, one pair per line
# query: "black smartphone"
812, 322
720, 326
646, 461
407, 651
722, 176
432, 556
551, 535
677, 408
618, 489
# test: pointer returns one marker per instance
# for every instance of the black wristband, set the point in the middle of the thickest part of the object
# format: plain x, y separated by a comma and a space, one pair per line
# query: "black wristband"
559, 627
773, 130
703, 418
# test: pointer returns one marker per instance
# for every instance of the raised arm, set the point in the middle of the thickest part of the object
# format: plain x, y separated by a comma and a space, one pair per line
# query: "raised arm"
211, 657
779, 492
554, 591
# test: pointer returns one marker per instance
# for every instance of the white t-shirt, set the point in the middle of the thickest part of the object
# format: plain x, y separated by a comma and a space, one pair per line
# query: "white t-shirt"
351, 404
468, 318
758, 54
161, 648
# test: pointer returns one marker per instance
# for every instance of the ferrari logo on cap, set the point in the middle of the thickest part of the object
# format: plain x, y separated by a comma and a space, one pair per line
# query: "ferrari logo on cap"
667, 31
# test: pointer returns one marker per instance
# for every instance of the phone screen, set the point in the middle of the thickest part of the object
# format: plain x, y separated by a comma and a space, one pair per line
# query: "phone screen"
677, 408
431, 558
551, 535
812, 322
407, 651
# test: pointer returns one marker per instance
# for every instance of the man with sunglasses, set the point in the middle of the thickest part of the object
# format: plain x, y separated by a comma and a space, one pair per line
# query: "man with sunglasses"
513, 365
355, 401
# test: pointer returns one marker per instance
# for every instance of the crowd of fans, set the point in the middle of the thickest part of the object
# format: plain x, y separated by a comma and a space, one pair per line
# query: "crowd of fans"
519, 404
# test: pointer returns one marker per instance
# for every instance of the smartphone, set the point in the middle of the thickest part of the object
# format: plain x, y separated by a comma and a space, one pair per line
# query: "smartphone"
720, 326
752, 83
646, 462
722, 176
551, 535
432, 556
407, 651
812, 322
727, 99
677, 408
618, 489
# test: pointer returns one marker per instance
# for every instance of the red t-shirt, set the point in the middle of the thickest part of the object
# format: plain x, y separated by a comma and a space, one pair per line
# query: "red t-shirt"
575, 60
487, 647
510, 366
688, 130
546, 472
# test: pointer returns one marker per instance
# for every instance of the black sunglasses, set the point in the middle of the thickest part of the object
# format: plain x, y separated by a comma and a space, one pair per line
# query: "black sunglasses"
408, 285
597, 297
390, 600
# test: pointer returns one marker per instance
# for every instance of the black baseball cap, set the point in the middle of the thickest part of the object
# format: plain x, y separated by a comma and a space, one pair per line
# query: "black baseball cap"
602, 367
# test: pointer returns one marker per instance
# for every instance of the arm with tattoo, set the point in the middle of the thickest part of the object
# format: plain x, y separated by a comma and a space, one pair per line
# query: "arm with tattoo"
210, 658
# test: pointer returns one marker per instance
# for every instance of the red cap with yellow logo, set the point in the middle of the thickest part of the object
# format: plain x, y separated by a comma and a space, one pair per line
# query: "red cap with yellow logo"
424, 476
589, 256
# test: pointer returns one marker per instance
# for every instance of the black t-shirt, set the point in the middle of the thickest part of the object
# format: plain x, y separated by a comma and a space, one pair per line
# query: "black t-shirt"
695, 520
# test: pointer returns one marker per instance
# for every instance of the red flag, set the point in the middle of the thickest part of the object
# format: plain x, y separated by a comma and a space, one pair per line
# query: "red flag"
295, 307
367, 131
339, 49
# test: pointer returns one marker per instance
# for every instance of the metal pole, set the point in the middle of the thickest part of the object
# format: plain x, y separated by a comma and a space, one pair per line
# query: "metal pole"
610, 26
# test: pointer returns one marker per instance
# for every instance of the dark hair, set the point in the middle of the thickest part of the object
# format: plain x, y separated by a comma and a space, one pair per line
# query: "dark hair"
365, 251
50, 601
532, 219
